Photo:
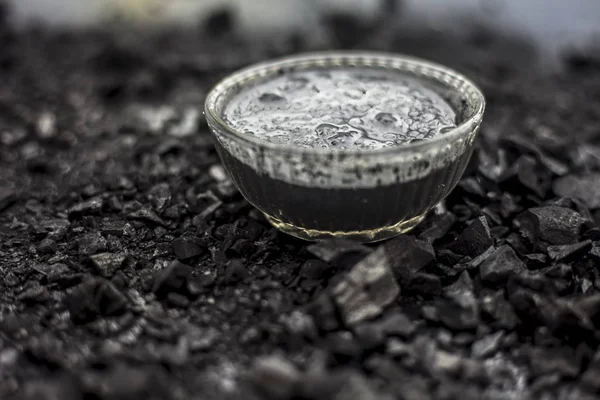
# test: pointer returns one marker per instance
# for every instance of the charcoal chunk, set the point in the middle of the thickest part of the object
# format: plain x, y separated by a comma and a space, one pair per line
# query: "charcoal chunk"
323, 311
561, 361
338, 251
425, 284
585, 188
275, 377
93, 298
408, 255
552, 224
235, 272
89, 207
487, 345
174, 278
160, 196
367, 289
314, 270
106, 264
474, 240
569, 251
187, 247
147, 216
501, 264
91, 243
436, 226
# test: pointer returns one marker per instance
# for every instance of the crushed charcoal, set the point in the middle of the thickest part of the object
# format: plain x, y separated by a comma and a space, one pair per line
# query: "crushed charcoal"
552, 224
93, 298
133, 268
569, 251
367, 289
91, 243
500, 265
585, 188
187, 247
473, 240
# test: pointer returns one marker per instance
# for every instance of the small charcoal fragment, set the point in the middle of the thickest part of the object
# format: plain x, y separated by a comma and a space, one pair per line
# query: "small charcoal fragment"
436, 226
146, 215
89, 207
172, 279
552, 224
585, 188
339, 251
488, 345
366, 289
106, 264
502, 263
160, 196
425, 284
187, 247
235, 271
569, 251
474, 240
91, 243
275, 377
408, 255
93, 298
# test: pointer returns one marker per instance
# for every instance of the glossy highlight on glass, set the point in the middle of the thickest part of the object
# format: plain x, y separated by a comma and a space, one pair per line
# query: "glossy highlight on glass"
365, 193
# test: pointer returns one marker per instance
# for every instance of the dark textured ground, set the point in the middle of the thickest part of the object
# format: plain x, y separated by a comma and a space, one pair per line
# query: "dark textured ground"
131, 269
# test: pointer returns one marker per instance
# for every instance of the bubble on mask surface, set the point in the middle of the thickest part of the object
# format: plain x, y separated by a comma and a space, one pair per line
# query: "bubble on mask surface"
340, 109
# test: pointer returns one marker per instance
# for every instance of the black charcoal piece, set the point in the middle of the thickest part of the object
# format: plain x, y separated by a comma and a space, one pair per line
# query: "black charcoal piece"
552, 224
408, 255
235, 271
585, 188
436, 226
336, 251
500, 265
314, 270
275, 377
160, 196
395, 323
367, 289
187, 247
488, 345
106, 264
569, 251
172, 279
324, 313
88, 207
425, 284
473, 240
147, 216
91, 243
93, 298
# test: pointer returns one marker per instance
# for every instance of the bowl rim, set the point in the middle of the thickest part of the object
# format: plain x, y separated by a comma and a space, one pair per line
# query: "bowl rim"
400, 62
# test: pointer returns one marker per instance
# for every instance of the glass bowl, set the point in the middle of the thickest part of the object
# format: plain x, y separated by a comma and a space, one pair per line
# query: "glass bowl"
363, 195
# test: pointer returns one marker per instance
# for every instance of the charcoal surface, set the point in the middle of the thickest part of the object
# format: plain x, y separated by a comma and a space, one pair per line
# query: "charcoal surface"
130, 267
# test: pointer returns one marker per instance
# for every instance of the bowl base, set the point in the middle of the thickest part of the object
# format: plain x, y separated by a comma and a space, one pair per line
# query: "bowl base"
365, 236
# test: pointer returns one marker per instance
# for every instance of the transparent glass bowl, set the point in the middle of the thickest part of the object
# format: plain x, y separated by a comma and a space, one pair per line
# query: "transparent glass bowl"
363, 195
